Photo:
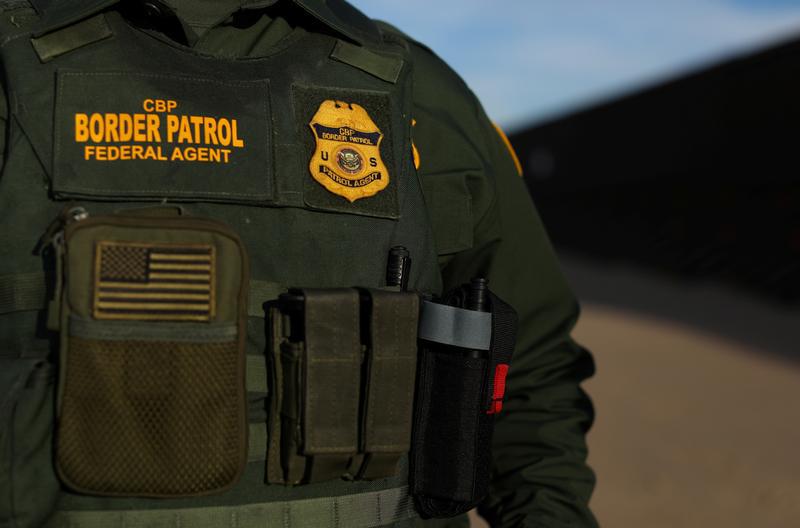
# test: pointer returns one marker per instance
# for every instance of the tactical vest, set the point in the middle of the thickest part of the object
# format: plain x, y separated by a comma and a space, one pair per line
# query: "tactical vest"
109, 118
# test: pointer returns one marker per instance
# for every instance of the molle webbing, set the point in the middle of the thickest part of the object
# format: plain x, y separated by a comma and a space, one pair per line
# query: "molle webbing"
28, 292
361, 510
22, 292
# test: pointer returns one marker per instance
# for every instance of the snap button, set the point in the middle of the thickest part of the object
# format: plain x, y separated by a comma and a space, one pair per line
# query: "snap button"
152, 10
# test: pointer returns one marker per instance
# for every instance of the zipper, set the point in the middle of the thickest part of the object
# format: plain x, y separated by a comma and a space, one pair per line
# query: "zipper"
54, 234
54, 237
73, 218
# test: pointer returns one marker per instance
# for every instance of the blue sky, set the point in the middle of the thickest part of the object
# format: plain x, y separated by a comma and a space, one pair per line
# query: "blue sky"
529, 60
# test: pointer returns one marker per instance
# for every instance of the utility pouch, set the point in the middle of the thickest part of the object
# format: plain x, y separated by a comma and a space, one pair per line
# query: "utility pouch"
344, 362
464, 358
151, 396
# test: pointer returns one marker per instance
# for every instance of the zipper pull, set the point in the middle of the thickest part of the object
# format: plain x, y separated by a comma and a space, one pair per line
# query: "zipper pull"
54, 237
54, 234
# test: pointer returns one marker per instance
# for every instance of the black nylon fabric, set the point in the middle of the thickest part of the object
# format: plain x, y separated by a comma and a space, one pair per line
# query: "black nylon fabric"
451, 444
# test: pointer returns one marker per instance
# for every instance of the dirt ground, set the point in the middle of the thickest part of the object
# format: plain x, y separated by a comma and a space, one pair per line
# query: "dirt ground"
692, 430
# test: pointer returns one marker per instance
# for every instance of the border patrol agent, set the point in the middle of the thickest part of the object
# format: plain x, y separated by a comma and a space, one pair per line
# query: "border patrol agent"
288, 144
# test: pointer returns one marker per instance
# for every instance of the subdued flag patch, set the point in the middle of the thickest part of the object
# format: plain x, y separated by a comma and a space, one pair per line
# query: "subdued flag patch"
147, 282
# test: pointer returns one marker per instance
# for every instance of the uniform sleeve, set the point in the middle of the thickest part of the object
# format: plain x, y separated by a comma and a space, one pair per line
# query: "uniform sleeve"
3, 124
540, 477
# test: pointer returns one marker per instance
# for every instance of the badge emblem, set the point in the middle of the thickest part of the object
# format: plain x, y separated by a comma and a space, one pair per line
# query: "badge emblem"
347, 160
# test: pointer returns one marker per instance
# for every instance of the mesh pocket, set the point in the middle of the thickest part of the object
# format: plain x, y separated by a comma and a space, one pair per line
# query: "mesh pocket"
151, 418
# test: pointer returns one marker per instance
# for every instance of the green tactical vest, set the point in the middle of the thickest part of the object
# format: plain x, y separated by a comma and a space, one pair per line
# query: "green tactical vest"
109, 117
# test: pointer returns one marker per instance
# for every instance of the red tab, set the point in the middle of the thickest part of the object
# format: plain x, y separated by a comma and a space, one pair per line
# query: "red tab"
499, 389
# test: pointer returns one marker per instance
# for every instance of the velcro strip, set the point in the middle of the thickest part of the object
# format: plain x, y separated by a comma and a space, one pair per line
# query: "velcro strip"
58, 43
384, 67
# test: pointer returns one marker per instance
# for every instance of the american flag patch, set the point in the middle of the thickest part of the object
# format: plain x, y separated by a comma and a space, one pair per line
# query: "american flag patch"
147, 282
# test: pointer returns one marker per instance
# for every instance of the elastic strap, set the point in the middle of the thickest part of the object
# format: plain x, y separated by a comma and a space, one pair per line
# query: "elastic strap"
449, 325
362, 510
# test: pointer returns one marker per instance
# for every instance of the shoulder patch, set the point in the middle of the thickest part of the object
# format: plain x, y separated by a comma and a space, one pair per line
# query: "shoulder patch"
414, 150
510, 148
347, 160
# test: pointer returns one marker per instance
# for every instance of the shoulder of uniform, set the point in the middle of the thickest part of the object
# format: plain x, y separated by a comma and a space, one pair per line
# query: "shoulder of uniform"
343, 18
440, 94
433, 77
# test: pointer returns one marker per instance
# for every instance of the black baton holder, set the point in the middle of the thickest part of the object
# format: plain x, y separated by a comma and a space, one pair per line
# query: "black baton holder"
465, 341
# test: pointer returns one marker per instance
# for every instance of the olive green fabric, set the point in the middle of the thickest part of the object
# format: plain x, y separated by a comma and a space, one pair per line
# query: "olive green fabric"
26, 416
391, 369
384, 67
71, 38
149, 404
479, 210
390, 507
22, 292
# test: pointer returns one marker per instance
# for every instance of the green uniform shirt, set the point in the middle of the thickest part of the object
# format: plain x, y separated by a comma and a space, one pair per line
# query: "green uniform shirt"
484, 225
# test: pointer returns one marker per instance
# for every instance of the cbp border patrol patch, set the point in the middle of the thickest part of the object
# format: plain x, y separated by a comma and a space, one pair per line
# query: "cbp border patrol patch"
347, 160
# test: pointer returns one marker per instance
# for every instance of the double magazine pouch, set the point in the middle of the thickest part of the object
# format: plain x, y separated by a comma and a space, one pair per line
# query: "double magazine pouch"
343, 368
465, 352
151, 396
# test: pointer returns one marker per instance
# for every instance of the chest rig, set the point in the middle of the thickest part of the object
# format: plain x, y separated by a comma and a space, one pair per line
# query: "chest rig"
107, 118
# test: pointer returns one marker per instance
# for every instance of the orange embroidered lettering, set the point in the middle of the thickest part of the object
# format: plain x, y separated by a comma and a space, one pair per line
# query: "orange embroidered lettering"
185, 133
197, 121
125, 127
153, 126
96, 128
224, 132
81, 128
139, 128
210, 125
112, 122
237, 142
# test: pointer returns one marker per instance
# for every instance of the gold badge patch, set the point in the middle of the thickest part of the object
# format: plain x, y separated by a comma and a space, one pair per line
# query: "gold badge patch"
347, 160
